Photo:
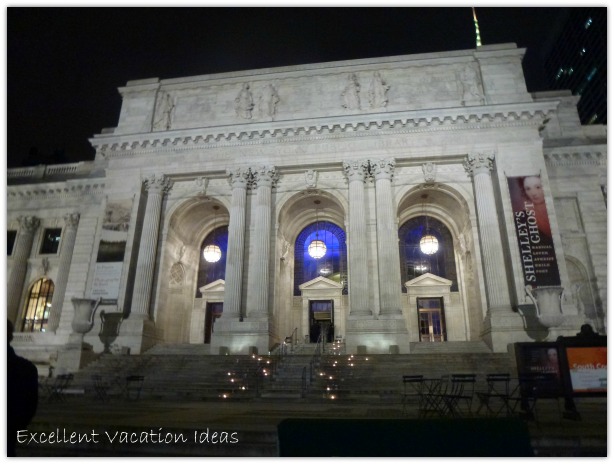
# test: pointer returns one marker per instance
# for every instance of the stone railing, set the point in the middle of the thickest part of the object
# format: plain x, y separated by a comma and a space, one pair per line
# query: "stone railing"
42, 171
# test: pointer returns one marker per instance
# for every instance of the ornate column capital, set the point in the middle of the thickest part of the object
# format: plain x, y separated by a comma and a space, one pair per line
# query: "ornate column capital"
477, 163
383, 168
355, 170
265, 176
72, 220
28, 224
157, 183
238, 177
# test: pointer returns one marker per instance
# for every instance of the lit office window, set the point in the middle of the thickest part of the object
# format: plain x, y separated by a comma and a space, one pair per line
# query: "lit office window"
38, 306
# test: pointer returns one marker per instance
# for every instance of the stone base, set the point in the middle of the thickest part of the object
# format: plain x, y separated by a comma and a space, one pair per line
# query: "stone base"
138, 334
74, 355
504, 326
377, 336
232, 336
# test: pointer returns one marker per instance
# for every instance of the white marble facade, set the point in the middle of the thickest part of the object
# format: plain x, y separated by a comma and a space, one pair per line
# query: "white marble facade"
377, 142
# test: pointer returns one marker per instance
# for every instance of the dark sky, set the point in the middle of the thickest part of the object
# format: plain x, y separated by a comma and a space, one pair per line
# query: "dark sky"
64, 65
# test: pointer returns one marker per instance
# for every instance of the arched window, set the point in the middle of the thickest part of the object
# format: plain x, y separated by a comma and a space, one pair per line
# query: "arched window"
38, 306
415, 263
210, 272
333, 265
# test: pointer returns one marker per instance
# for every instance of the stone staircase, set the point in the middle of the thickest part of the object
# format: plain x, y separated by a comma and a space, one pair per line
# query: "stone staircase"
187, 372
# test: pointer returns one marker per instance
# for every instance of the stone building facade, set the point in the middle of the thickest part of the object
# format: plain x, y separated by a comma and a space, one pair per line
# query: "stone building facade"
365, 155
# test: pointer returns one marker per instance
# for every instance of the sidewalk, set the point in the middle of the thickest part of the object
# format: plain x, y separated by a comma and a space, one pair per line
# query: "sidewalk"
249, 428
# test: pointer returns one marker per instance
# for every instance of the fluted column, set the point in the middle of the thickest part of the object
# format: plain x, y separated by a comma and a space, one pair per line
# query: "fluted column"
258, 299
156, 186
388, 261
480, 166
238, 179
21, 253
69, 236
358, 287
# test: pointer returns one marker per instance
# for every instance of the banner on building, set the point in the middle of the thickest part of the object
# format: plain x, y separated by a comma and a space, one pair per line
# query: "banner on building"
111, 250
538, 260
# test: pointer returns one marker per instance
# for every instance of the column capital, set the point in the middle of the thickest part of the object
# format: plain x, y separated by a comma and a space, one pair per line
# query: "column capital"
355, 170
72, 220
238, 177
157, 183
477, 163
28, 224
383, 168
265, 176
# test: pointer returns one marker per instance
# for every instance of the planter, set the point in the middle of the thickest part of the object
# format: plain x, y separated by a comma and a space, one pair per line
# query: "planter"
109, 330
83, 319
547, 302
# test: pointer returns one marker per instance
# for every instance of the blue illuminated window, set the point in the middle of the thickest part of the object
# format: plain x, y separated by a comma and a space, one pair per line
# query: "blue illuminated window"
210, 272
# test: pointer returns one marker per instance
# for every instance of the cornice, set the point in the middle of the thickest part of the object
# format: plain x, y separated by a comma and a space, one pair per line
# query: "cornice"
56, 190
576, 156
529, 114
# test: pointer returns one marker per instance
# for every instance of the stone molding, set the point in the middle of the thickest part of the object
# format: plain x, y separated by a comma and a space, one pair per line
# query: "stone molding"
513, 115
571, 157
54, 191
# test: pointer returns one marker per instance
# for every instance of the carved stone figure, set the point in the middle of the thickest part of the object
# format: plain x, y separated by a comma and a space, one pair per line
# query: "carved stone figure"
377, 91
429, 170
268, 101
470, 85
200, 183
351, 93
311, 178
244, 103
163, 119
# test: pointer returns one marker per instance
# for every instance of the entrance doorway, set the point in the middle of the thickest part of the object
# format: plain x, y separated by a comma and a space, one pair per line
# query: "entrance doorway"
213, 312
431, 320
321, 320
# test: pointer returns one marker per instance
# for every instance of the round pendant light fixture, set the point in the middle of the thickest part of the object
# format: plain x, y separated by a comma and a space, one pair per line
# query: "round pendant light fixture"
428, 243
317, 248
212, 253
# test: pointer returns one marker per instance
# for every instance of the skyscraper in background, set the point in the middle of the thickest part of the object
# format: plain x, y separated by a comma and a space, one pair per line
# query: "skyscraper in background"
575, 59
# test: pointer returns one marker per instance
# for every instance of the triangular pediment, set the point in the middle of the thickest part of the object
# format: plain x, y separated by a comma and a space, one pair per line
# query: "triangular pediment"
215, 286
428, 280
320, 283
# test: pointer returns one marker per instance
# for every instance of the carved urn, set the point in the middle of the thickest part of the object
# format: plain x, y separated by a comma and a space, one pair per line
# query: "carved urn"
547, 302
109, 329
83, 319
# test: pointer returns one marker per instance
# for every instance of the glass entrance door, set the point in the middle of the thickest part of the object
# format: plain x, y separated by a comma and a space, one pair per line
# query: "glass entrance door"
430, 320
213, 311
321, 320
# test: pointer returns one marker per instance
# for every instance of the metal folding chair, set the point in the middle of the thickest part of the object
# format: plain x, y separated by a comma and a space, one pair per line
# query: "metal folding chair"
458, 400
101, 388
134, 385
57, 391
413, 387
496, 398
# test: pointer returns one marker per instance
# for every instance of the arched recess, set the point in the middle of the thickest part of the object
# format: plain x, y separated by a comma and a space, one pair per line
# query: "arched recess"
582, 293
447, 208
188, 224
295, 215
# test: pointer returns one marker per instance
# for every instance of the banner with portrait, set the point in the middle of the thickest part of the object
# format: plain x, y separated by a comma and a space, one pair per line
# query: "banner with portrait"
537, 256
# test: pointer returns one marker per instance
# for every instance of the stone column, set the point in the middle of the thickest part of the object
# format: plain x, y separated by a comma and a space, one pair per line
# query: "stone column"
258, 296
21, 253
238, 179
355, 172
71, 222
388, 261
156, 186
497, 292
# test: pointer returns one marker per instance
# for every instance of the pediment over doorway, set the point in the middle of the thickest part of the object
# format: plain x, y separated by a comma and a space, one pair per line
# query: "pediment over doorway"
428, 280
320, 283
215, 286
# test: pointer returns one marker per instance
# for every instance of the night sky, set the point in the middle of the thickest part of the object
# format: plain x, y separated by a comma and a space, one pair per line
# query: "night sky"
64, 65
